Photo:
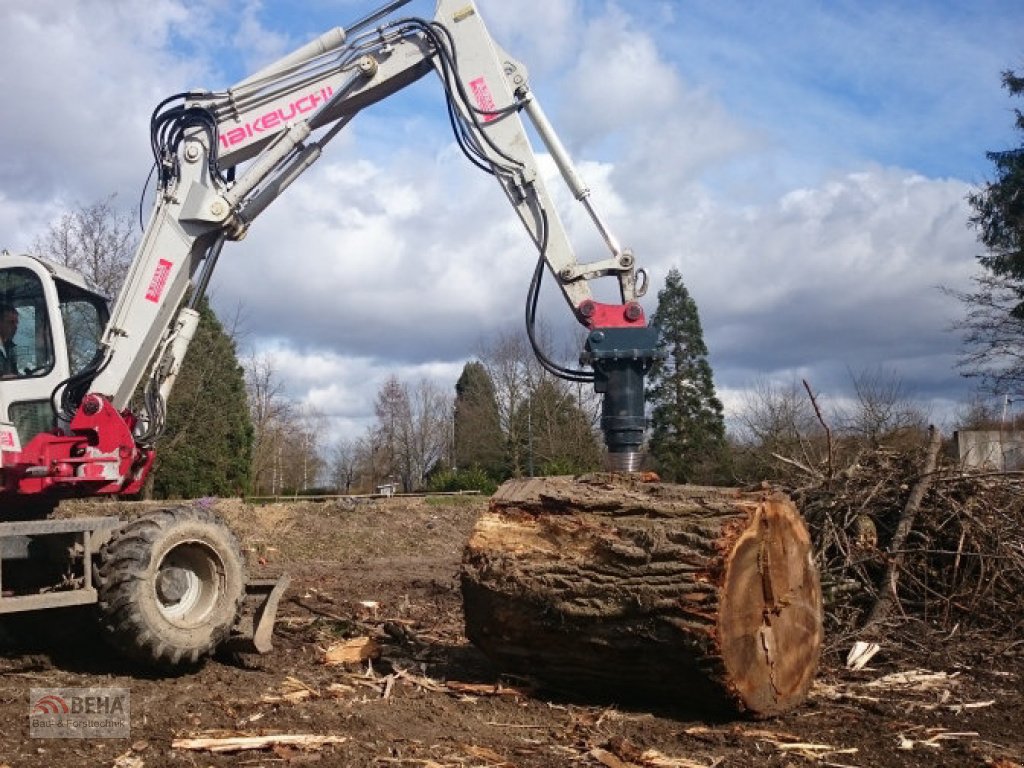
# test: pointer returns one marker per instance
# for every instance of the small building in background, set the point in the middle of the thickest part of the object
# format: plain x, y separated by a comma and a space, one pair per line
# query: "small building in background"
999, 450
387, 489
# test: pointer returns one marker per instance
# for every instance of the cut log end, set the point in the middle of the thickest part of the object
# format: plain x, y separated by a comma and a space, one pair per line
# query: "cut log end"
694, 597
769, 621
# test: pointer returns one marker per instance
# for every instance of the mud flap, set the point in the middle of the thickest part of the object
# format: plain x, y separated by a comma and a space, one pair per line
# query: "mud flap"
254, 629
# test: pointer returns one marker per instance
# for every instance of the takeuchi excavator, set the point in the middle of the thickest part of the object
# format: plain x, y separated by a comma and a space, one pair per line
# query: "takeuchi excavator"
84, 389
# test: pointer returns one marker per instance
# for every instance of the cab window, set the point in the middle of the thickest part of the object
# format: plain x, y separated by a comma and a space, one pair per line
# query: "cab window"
25, 336
84, 316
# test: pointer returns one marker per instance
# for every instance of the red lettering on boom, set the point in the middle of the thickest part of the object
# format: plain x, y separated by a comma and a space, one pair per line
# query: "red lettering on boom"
159, 281
483, 97
275, 119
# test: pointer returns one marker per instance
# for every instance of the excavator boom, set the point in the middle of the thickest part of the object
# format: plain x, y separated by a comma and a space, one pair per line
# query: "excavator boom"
68, 426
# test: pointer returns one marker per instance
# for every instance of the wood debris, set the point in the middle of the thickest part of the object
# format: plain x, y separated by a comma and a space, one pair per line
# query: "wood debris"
492, 758
935, 742
915, 680
918, 689
860, 654
292, 691
128, 760
952, 550
812, 751
420, 681
622, 753
243, 743
792, 744
353, 651
485, 689
650, 758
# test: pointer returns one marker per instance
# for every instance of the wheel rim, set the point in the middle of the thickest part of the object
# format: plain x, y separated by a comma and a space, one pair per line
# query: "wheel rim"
189, 582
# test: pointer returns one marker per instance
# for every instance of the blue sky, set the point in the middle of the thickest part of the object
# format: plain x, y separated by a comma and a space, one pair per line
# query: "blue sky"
804, 165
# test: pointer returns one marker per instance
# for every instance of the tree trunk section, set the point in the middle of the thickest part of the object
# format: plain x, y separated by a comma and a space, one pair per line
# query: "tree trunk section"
691, 597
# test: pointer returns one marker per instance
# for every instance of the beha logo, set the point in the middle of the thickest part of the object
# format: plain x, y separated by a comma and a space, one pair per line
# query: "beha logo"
79, 713
51, 705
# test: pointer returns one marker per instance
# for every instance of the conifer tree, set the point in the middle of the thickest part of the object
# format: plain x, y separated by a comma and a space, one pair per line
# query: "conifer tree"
994, 320
479, 442
999, 208
207, 448
687, 426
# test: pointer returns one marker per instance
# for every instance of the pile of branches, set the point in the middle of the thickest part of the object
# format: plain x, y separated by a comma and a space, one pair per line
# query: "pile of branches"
952, 556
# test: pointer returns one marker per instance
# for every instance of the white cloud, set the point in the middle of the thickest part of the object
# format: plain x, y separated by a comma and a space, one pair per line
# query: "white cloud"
343, 388
845, 276
259, 45
394, 255
542, 34
78, 82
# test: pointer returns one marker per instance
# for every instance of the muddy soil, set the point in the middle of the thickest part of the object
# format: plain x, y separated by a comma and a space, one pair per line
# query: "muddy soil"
388, 570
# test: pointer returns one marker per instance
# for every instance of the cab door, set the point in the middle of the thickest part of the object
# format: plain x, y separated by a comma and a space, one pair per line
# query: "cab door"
36, 361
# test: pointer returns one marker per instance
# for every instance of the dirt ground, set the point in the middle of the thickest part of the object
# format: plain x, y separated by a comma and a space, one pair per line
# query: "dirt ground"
430, 699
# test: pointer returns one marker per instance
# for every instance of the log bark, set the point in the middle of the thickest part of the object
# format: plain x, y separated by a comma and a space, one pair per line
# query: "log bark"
697, 598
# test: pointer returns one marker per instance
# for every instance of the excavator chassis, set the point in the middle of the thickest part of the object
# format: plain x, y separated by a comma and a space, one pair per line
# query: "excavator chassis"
51, 563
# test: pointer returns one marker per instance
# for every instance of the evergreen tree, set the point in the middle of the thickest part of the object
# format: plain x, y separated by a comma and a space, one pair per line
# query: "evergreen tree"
478, 438
999, 209
687, 426
207, 447
993, 324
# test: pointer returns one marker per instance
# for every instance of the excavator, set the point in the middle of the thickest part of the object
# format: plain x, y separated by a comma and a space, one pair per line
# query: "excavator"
84, 387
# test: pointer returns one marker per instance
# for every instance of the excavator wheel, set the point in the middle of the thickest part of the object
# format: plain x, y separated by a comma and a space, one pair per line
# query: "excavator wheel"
170, 586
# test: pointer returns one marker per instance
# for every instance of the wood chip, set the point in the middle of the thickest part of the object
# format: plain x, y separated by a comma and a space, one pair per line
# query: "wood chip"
242, 743
804, 746
489, 755
292, 691
915, 679
353, 651
484, 689
127, 760
606, 758
860, 654
650, 758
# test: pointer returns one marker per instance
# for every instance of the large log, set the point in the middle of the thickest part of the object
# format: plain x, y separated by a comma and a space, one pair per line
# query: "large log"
694, 597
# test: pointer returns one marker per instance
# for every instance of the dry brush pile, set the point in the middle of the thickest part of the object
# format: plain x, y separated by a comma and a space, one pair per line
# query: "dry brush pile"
955, 558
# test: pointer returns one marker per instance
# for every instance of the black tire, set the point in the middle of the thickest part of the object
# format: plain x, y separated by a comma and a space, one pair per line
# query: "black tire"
170, 586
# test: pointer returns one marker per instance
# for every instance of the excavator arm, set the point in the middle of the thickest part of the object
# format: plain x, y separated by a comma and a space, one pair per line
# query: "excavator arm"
221, 158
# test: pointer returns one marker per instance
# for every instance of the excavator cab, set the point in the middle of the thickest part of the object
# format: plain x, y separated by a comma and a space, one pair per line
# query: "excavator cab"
59, 323
186, 586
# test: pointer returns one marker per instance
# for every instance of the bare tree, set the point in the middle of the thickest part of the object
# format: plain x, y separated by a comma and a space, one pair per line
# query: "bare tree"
992, 333
272, 415
882, 408
535, 408
345, 461
413, 428
372, 459
392, 409
507, 360
95, 240
302, 445
430, 430
780, 432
